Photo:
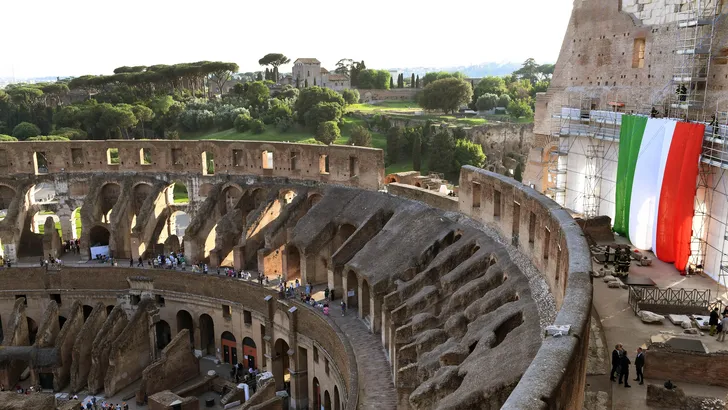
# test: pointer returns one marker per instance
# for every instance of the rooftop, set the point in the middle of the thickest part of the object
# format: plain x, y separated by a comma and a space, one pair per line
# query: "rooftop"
307, 61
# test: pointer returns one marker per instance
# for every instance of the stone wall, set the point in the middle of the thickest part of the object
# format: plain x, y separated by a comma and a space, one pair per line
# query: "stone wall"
556, 246
82, 347
64, 343
665, 363
656, 12
115, 323
432, 198
366, 95
230, 158
177, 365
131, 352
15, 334
9, 400
163, 400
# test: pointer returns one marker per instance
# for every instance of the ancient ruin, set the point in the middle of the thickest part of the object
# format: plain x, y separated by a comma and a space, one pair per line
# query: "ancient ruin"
445, 294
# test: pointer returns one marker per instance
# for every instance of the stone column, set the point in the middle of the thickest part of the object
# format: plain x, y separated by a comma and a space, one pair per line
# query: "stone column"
376, 313
360, 297
268, 340
308, 269
299, 390
239, 257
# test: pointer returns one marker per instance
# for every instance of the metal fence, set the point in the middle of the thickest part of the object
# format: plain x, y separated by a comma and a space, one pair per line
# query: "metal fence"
677, 301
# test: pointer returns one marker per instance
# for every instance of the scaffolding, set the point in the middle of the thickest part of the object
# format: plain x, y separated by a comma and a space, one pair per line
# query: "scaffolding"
691, 68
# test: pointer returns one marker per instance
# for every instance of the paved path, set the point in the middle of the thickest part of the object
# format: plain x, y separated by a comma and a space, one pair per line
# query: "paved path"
376, 390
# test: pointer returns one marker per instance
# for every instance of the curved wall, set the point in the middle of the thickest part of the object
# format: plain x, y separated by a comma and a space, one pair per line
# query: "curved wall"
301, 328
549, 236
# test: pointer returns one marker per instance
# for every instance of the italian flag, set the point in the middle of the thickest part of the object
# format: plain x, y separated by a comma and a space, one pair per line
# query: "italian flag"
657, 174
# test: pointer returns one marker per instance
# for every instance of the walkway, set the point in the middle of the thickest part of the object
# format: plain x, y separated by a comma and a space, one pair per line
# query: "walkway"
376, 389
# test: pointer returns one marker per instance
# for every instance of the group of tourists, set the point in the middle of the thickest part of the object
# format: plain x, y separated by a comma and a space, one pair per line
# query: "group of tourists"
93, 404
50, 261
718, 325
72, 246
621, 362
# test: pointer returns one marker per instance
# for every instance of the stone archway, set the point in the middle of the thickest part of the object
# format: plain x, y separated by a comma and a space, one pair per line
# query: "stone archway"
316, 393
365, 307
337, 399
229, 348
184, 321
164, 334
250, 353
327, 400
281, 365
293, 263
207, 335
32, 330
352, 289
99, 236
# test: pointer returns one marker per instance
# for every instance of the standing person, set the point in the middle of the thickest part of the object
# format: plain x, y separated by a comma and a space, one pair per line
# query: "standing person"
724, 323
326, 293
639, 362
331, 293
624, 363
343, 308
131, 262
140, 263
615, 362
714, 319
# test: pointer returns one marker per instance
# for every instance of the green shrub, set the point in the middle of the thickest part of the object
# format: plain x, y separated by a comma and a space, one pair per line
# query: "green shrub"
25, 130
328, 132
48, 138
7, 138
360, 136
257, 126
242, 122
350, 96
71, 133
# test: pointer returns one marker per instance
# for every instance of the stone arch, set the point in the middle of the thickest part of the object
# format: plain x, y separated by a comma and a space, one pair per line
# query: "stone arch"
44, 192
87, 311
61, 321
164, 334
313, 199
229, 197
184, 321
280, 364
32, 329
178, 193
327, 400
76, 226
99, 236
7, 194
287, 196
418, 185
108, 196
259, 196
293, 263
337, 398
140, 192
316, 393
205, 189
250, 353
229, 348
207, 334
109, 309
352, 285
365, 300
38, 221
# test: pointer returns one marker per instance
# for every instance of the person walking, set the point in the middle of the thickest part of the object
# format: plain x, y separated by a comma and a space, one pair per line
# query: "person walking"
343, 308
639, 362
724, 325
615, 362
326, 293
714, 319
131, 262
624, 363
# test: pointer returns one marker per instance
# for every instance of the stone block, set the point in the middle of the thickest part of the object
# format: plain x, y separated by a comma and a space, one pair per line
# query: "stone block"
649, 317
659, 396
615, 284
609, 278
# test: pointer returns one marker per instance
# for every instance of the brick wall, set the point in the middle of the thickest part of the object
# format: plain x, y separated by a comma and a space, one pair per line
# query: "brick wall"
427, 196
130, 353
177, 365
664, 363
230, 158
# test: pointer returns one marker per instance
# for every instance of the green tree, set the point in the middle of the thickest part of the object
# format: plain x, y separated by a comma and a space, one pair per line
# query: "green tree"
351, 96
375, 79
323, 112
468, 153
490, 85
48, 138
443, 157
257, 126
448, 94
67, 116
487, 102
518, 173
354, 70
311, 96
221, 72
259, 76
242, 122
520, 108
117, 118
25, 130
257, 93
394, 136
504, 100
520, 89
360, 136
417, 152
413, 81
275, 60
440, 75
144, 115
391, 83
417, 81
327, 132
267, 74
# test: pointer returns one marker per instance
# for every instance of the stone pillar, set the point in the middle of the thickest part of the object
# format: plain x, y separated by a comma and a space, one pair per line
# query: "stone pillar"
268, 340
308, 269
375, 314
68, 227
360, 299
385, 329
299, 389
214, 258
136, 243
239, 257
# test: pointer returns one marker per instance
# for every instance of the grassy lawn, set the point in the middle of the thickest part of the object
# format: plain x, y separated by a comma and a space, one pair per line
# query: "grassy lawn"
385, 106
180, 194
297, 134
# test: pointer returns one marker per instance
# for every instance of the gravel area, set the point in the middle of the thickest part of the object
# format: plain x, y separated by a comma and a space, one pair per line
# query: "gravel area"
540, 291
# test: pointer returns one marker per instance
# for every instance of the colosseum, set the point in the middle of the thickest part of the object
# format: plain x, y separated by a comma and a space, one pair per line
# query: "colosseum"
451, 302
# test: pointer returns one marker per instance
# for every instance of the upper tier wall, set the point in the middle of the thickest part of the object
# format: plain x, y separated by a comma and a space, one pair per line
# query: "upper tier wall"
338, 164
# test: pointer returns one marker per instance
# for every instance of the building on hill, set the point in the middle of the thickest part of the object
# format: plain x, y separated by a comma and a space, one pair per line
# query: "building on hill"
309, 71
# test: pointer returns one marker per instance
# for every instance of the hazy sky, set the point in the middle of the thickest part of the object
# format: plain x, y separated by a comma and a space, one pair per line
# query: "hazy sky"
76, 37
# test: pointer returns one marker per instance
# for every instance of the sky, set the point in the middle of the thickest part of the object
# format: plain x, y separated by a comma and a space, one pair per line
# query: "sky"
77, 37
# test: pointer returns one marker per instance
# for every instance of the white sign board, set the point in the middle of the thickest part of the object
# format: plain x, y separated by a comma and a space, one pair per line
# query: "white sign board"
99, 250
350, 293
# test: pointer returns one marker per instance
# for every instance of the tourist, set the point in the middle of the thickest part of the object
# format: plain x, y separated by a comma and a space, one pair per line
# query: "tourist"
714, 319
724, 323
140, 263
624, 363
298, 285
326, 293
131, 262
308, 288
343, 308
331, 293
125, 406
639, 362
615, 363
326, 309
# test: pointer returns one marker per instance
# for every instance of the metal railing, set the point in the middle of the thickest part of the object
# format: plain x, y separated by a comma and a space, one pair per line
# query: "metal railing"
669, 298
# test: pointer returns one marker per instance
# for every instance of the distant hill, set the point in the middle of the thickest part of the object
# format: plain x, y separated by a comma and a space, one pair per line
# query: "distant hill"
480, 70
